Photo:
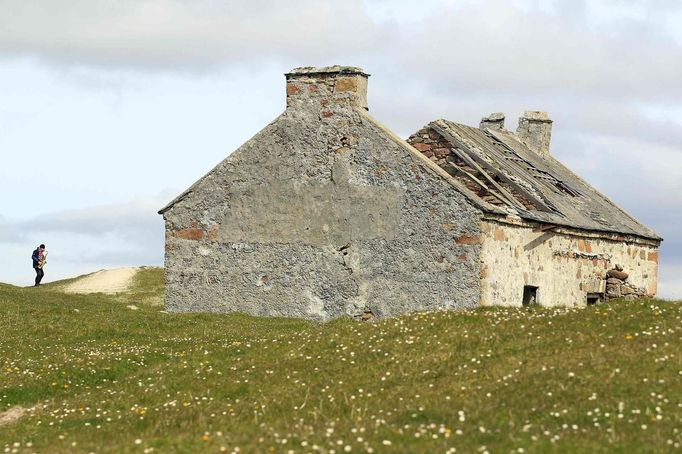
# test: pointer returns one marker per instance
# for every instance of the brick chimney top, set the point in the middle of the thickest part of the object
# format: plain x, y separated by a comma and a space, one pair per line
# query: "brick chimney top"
335, 69
536, 115
335, 85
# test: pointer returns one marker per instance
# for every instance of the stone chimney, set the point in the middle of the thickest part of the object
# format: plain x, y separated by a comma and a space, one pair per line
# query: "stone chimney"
535, 130
330, 85
492, 121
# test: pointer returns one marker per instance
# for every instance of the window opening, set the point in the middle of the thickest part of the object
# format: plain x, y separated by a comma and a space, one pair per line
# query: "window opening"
594, 298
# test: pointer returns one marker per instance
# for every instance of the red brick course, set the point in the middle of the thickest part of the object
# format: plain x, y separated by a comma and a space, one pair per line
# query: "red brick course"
190, 234
468, 239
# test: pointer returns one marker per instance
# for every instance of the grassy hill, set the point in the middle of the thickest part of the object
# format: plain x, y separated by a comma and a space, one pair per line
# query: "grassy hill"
85, 373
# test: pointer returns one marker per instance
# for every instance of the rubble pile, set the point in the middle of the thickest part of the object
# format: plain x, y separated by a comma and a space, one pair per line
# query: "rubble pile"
617, 285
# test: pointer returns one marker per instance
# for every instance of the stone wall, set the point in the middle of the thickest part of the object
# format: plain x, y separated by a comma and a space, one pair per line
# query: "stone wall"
565, 267
323, 213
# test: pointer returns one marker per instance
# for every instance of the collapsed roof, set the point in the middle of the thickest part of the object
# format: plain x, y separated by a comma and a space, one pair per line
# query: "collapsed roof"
520, 177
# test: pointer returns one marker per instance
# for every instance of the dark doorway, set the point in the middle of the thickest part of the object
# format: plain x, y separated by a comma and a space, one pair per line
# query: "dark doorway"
530, 295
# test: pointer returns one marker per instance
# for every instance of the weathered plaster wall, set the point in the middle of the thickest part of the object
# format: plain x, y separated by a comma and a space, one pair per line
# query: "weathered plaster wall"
564, 267
322, 214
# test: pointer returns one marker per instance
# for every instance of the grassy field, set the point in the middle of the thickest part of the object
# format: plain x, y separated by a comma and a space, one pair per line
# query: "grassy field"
84, 373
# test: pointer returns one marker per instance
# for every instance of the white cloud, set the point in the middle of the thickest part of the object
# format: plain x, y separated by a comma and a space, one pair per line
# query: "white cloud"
182, 33
502, 49
134, 221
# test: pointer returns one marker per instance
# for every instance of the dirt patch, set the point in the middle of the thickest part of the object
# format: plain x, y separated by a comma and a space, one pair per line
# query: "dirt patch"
11, 415
104, 281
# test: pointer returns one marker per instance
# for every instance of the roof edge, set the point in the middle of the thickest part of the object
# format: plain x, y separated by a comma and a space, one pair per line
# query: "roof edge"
569, 229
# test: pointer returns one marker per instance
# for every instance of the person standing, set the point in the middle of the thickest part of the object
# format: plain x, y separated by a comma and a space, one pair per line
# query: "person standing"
38, 263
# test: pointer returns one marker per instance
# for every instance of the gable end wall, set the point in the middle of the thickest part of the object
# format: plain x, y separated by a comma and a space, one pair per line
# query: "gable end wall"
322, 215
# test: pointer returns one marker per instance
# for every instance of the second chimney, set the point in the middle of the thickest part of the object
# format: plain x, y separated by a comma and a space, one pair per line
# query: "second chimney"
492, 121
535, 130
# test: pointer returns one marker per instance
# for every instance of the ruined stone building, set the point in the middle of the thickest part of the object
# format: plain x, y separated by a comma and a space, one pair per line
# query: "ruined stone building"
325, 213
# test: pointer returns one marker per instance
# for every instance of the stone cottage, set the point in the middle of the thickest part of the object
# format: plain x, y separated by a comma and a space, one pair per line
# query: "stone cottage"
326, 213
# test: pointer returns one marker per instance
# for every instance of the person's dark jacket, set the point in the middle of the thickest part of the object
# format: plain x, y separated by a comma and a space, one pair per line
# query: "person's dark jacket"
36, 258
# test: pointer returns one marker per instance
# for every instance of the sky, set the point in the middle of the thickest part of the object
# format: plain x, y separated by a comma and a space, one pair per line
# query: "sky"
109, 109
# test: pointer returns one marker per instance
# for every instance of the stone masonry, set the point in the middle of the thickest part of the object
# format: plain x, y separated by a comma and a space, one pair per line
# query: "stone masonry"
323, 213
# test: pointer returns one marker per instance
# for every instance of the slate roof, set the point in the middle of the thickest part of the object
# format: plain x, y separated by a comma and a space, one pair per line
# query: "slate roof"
535, 188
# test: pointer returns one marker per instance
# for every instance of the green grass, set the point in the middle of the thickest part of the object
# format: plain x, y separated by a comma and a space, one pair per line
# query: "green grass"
96, 376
